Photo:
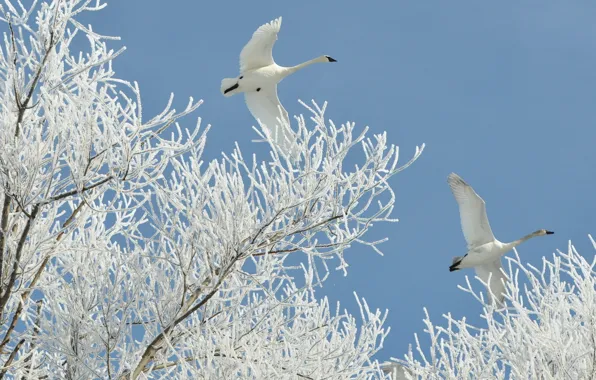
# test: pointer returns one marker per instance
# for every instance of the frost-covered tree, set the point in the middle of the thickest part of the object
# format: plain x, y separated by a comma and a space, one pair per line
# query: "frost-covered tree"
123, 254
546, 331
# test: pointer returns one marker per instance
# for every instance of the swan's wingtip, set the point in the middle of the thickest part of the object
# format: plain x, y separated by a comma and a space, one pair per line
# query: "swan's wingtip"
453, 178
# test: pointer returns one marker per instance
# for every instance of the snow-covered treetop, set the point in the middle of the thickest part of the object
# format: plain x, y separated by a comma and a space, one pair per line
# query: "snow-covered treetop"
546, 331
125, 254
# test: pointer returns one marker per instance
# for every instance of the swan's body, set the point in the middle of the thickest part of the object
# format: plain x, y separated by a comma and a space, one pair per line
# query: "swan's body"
258, 79
484, 250
395, 370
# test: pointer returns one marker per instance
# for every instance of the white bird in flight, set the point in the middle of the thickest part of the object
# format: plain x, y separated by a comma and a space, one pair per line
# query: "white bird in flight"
395, 370
258, 79
484, 250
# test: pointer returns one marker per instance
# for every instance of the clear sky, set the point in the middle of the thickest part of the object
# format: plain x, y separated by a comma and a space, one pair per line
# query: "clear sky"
503, 93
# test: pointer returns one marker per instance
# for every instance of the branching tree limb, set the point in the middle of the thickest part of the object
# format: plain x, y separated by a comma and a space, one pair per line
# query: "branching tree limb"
545, 332
124, 253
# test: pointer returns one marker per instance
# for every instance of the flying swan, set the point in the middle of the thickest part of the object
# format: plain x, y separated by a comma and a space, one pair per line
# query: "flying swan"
484, 250
258, 79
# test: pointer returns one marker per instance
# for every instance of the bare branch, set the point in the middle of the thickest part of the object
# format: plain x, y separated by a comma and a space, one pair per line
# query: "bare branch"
17, 260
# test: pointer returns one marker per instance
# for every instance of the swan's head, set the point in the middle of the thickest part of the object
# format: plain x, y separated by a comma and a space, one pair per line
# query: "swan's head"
544, 232
328, 59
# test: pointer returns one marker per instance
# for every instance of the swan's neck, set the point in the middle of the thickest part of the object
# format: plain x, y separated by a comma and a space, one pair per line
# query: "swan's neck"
513, 244
293, 69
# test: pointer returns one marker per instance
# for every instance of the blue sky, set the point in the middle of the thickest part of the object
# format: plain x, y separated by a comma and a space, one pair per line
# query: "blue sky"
502, 93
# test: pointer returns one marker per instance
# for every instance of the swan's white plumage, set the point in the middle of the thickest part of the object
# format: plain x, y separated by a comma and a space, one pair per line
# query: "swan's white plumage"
258, 52
265, 105
484, 250
496, 284
266, 108
472, 212
258, 79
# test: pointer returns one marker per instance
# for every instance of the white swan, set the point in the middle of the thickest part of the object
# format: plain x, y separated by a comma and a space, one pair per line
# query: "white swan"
258, 79
484, 250
395, 370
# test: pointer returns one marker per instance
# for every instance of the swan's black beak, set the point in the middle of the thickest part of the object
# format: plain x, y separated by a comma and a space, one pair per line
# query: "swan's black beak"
331, 59
549, 232
231, 88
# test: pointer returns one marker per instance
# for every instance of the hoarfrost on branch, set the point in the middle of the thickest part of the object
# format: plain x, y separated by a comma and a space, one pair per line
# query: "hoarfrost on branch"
123, 254
547, 331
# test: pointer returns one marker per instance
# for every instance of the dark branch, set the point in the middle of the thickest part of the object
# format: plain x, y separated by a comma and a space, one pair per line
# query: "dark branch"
10, 359
27, 359
74, 192
3, 226
15, 265
40, 270
23, 106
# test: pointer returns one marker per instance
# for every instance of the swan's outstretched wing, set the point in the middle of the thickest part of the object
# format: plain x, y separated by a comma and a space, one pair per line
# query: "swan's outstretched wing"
472, 212
496, 285
265, 107
258, 51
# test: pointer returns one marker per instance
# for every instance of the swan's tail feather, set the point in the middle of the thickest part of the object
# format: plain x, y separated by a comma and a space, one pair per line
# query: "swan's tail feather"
456, 261
229, 86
